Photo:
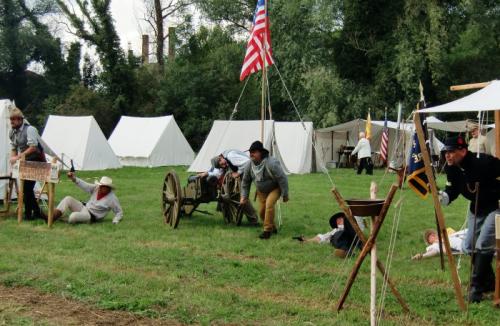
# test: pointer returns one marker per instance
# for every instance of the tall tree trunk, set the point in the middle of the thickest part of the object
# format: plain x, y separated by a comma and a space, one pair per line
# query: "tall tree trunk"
160, 39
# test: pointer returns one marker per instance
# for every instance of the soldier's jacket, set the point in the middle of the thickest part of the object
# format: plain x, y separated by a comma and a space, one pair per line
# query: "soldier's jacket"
462, 179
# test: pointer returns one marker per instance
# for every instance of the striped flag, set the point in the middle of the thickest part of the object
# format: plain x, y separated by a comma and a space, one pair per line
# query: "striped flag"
384, 145
259, 44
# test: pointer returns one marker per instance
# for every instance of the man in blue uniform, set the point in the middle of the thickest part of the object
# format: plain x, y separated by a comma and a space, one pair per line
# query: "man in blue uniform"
475, 178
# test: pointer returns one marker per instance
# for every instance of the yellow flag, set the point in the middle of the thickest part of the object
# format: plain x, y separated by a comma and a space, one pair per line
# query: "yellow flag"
368, 128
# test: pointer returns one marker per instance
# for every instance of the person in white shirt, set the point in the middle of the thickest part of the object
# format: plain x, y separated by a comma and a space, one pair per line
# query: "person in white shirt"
235, 161
102, 200
478, 143
364, 151
432, 240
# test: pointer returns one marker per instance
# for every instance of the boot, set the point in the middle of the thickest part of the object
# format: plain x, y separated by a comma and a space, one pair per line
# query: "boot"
265, 235
483, 278
476, 291
488, 274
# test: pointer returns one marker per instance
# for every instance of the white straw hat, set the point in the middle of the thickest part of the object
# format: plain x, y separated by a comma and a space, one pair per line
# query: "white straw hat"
105, 181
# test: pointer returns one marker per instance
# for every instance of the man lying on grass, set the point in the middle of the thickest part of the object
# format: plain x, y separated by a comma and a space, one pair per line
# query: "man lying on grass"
342, 236
102, 200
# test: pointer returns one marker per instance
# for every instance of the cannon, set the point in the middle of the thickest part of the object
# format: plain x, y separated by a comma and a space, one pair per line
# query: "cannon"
178, 202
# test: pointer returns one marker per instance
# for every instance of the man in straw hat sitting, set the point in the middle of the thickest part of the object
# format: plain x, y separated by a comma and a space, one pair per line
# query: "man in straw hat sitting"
102, 200
271, 183
25, 141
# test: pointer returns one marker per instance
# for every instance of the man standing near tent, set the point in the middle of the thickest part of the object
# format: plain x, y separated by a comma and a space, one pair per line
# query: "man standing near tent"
271, 183
477, 143
25, 141
365, 154
102, 200
235, 161
476, 178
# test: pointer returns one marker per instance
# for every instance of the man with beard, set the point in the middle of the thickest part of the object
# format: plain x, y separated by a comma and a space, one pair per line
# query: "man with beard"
271, 183
25, 141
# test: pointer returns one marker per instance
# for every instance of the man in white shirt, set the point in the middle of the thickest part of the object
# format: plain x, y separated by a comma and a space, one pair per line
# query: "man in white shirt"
236, 160
102, 200
364, 151
432, 240
478, 143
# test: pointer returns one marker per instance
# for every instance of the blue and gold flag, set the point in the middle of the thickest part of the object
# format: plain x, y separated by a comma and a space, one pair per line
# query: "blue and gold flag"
417, 179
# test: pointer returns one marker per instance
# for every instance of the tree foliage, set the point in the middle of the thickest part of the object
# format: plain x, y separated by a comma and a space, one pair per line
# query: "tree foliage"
338, 58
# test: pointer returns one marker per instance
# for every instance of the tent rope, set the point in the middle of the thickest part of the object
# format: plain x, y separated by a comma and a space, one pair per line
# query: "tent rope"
322, 166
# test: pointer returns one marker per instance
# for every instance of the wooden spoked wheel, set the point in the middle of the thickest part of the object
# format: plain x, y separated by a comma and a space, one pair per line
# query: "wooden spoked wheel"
172, 199
230, 199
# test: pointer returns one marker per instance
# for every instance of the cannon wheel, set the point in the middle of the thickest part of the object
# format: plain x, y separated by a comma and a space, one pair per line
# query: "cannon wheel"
172, 199
230, 195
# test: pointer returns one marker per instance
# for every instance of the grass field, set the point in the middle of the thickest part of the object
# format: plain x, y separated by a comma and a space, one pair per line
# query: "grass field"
206, 272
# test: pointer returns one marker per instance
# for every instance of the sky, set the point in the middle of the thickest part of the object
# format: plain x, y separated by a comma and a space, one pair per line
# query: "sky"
128, 16
129, 24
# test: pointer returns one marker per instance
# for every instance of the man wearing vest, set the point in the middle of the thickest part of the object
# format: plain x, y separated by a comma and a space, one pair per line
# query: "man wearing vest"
271, 183
25, 141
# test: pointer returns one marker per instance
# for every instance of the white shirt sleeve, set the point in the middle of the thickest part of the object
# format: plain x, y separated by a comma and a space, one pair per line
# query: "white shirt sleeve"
32, 136
214, 172
117, 210
87, 187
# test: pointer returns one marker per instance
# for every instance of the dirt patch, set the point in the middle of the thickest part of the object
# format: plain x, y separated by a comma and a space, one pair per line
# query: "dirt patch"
56, 310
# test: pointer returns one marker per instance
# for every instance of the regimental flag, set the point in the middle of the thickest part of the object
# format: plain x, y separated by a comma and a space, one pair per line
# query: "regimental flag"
417, 179
259, 44
384, 145
368, 128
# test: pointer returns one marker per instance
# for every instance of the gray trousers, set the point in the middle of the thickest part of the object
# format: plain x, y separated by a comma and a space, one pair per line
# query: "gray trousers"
485, 233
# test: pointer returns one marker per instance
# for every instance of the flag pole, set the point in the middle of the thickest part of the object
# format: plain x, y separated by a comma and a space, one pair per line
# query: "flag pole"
263, 83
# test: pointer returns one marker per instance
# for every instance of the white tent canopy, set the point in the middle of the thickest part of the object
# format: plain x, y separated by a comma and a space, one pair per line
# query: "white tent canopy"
329, 140
486, 99
292, 143
150, 142
4, 143
79, 139
449, 126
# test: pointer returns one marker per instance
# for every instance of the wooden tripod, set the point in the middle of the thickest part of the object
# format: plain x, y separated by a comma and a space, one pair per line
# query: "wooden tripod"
367, 246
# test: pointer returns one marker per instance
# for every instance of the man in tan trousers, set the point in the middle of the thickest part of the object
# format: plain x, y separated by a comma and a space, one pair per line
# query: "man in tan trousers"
102, 200
271, 183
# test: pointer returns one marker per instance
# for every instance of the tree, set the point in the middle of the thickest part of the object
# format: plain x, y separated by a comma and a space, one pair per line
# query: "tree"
202, 84
157, 12
24, 40
94, 24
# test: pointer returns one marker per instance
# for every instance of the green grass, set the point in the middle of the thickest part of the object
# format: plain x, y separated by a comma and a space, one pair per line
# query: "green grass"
207, 272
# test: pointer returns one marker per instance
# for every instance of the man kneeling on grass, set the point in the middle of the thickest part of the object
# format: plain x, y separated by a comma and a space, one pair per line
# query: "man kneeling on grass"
102, 200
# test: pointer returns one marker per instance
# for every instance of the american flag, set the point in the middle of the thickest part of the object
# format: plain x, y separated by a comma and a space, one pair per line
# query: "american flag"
385, 141
259, 43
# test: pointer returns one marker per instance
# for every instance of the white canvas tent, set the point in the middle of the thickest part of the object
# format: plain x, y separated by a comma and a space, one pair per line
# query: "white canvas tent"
4, 143
486, 99
150, 142
291, 143
329, 140
80, 139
